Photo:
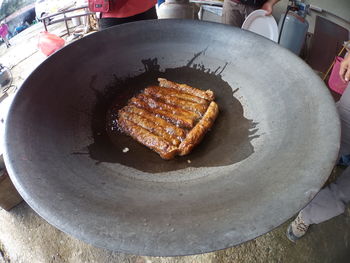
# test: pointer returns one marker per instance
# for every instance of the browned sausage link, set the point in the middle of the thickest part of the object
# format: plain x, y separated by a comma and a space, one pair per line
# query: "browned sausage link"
167, 126
150, 126
154, 102
176, 93
184, 104
157, 144
195, 136
208, 94
177, 120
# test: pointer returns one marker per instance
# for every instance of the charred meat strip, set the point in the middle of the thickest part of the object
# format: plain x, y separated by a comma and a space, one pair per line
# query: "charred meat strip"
167, 126
208, 94
187, 105
158, 104
195, 136
180, 121
175, 93
150, 126
143, 136
171, 120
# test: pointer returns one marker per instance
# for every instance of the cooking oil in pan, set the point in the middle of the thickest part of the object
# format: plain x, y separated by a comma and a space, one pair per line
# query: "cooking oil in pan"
228, 142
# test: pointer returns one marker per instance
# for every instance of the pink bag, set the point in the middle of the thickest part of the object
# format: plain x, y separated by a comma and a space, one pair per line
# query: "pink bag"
335, 83
49, 43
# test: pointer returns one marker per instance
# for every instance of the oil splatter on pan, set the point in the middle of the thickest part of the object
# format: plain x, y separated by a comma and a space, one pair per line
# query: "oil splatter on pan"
231, 125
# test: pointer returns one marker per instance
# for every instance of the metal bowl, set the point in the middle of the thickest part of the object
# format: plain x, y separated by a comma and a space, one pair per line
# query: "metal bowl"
272, 148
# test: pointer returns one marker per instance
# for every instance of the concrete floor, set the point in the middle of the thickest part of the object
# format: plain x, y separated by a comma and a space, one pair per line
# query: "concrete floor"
26, 237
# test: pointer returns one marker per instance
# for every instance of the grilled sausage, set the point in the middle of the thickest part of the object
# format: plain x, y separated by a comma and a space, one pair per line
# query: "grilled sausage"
171, 120
184, 104
175, 93
208, 94
143, 136
150, 126
195, 136
175, 119
167, 126
153, 102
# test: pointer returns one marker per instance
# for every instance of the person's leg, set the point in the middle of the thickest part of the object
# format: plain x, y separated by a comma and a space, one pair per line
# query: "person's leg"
233, 13
340, 189
331, 200
111, 21
328, 203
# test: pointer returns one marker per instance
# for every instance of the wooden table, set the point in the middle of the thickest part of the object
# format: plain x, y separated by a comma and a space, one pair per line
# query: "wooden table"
9, 197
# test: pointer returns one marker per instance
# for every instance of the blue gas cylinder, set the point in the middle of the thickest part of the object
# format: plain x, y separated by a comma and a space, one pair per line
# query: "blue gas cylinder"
293, 32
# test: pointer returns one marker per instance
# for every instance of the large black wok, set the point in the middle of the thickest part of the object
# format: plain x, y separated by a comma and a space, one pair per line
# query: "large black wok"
271, 149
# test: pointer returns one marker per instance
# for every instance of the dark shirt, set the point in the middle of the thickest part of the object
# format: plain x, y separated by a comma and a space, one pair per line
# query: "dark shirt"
255, 3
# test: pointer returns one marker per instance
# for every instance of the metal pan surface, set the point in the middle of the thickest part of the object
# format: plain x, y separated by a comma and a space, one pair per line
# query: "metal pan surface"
273, 146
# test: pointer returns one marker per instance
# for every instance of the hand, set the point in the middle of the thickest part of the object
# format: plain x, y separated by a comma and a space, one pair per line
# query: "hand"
344, 71
268, 6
